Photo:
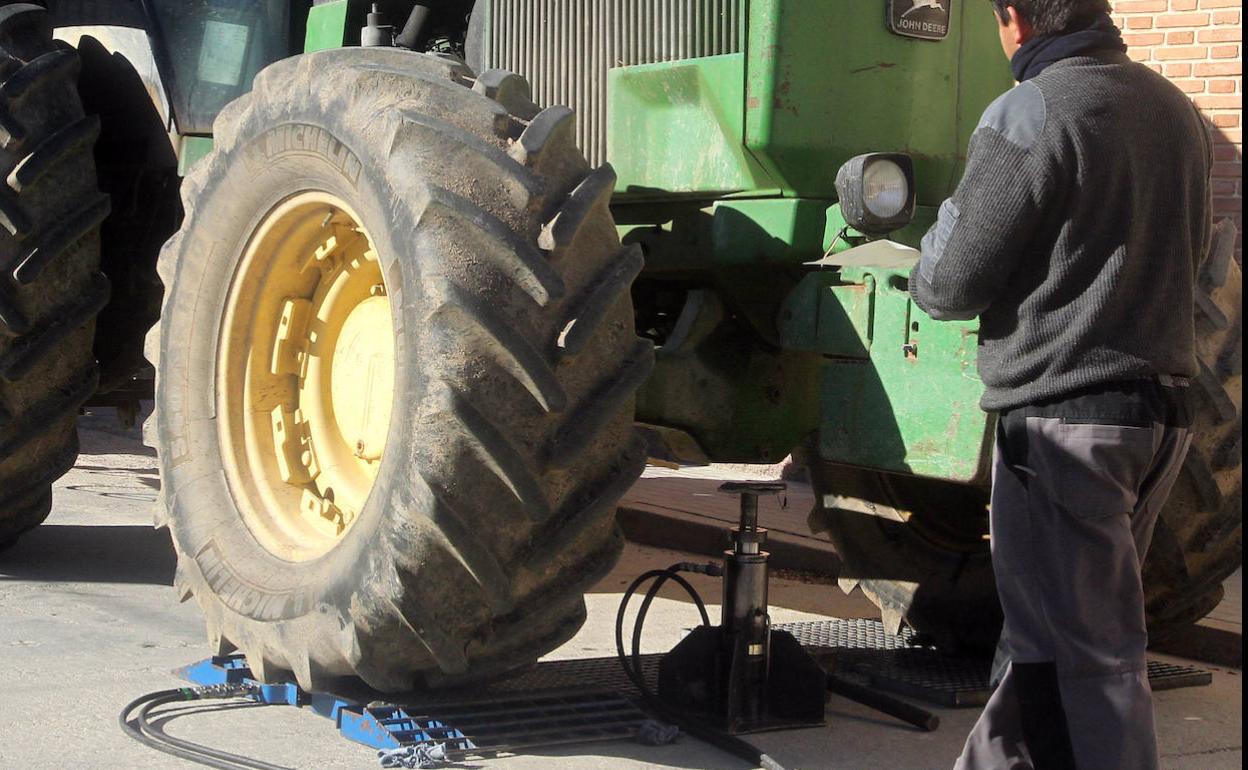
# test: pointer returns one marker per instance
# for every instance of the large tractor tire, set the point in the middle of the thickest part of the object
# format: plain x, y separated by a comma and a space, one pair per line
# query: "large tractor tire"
51, 287
918, 547
138, 169
396, 369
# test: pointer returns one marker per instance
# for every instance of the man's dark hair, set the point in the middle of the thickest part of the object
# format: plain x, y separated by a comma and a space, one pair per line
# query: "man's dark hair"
1053, 17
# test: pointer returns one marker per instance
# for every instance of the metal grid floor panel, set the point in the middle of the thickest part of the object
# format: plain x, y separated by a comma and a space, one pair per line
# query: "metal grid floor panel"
590, 699
857, 647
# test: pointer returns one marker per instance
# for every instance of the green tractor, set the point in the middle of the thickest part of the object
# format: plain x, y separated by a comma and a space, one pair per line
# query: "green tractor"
416, 336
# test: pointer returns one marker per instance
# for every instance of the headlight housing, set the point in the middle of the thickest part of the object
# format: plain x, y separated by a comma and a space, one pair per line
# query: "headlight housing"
877, 192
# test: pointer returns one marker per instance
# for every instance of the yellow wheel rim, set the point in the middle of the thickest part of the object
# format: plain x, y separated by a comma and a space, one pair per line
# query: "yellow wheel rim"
305, 378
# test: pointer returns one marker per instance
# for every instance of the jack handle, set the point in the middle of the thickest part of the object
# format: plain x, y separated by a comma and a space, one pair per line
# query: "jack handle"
887, 704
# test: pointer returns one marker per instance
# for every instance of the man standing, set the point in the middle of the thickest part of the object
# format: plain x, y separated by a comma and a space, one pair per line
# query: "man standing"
1075, 236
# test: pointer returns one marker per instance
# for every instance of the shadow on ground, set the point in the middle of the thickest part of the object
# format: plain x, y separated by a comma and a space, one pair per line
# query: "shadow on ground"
100, 432
686, 754
78, 553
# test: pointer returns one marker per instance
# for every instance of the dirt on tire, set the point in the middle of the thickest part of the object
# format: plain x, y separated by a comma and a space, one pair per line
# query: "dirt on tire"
516, 365
51, 287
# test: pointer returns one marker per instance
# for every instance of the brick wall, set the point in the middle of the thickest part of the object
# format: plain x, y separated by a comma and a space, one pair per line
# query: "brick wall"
1198, 44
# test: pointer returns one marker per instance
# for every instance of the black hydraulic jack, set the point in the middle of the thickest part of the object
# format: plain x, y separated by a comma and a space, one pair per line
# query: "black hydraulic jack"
744, 676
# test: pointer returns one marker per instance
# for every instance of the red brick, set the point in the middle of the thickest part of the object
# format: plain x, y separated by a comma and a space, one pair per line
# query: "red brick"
1215, 69
1226, 153
1182, 20
1141, 6
1220, 35
1181, 52
1219, 102
1226, 170
1198, 45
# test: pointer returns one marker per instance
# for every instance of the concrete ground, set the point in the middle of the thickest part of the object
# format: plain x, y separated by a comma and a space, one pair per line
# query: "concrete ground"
88, 621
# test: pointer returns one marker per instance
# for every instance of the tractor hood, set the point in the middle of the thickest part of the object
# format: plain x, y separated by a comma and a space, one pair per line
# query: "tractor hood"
826, 81
707, 98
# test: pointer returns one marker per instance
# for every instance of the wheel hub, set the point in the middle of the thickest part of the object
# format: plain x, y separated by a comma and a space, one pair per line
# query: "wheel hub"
305, 376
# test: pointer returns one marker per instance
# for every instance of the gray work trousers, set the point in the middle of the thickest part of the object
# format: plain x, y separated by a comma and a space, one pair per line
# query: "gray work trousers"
1072, 513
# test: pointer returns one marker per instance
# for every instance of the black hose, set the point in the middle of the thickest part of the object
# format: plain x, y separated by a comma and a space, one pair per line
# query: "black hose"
632, 668
640, 622
157, 733
155, 737
135, 732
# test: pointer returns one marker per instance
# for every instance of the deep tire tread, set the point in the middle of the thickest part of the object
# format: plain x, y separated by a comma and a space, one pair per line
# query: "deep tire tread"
487, 151
520, 260
596, 301
61, 146
591, 194
604, 401
500, 579
478, 321
59, 238
553, 127
18, 360
47, 174
20, 431
53, 65
503, 459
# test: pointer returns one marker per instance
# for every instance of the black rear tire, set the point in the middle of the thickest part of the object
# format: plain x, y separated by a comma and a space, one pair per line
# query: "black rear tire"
138, 169
511, 436
917, 548
51, 287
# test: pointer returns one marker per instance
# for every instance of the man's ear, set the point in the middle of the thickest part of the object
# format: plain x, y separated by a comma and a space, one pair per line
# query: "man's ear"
1020, 28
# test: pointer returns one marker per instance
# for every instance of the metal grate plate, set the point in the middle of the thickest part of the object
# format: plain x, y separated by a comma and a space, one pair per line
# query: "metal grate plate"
863, 650
848, 634
591, 673
590, 699
552, 717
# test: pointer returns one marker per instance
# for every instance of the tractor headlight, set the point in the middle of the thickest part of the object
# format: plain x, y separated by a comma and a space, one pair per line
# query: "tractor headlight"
877, 192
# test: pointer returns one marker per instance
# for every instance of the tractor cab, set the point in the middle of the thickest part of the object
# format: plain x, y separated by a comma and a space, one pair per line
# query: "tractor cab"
209, 51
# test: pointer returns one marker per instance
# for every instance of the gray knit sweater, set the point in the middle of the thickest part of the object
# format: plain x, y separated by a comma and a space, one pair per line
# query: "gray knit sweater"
1076, 232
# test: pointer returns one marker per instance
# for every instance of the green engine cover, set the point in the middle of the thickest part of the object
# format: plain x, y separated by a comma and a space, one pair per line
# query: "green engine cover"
826, 81
819, 82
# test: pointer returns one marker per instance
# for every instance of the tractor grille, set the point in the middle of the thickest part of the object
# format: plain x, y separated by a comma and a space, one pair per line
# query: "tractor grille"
565, 47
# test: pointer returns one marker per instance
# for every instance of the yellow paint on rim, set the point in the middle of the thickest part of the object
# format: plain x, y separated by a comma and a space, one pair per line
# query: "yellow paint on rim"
305, 376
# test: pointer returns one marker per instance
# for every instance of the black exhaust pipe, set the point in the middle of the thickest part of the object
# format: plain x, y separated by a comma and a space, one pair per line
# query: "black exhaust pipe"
414, 31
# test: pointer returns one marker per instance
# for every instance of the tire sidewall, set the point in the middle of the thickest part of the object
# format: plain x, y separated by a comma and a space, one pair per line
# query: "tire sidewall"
277, 153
